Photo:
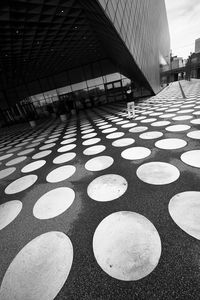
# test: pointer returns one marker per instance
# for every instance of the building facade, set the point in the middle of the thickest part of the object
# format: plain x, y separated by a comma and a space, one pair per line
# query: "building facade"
143, 27
197, 45
193, 66
77, 48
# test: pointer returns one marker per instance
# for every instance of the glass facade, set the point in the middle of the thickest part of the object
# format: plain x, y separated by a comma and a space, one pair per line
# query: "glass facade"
143, 27
82, 93
136, 36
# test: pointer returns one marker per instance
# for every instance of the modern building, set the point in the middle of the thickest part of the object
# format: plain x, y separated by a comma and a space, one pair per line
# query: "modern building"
193, 66
197, 45
175, 71
177, 62
95, 205
79, 50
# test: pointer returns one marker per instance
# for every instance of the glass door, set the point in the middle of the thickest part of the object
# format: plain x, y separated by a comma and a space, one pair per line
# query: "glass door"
114, 91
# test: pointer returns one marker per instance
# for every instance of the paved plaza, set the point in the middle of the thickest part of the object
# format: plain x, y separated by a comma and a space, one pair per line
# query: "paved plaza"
102, 206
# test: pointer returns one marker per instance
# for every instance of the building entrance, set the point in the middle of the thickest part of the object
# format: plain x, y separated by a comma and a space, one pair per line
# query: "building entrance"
114, 91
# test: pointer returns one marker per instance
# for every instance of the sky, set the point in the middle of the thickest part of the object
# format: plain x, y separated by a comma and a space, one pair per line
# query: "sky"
184, 25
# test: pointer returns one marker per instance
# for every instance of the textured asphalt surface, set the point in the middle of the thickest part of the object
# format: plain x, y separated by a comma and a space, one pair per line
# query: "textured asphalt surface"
177, 274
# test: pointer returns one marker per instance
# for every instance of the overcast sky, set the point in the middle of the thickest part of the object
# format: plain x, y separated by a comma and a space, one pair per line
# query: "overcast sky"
184, 25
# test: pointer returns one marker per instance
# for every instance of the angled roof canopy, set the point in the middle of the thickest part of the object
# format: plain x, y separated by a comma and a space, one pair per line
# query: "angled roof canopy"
39, 38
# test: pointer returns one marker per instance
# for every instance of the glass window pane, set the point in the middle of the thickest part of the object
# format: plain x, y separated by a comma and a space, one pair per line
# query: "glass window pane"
64, 90
112, 77
79, 86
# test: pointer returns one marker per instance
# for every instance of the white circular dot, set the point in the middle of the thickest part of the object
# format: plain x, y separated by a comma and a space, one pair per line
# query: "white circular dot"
191, 158
40, 269
148, 120
51, 141
117, 120
182, 118
102, 123
187, 105
140, 118
155, 114
123, 142
109, 130
135, 153
66, 148
129, 125
36, 140
161, 109
5, 148
115, 135
146, 112
184, 208
158, 173
53, 203
21, 184
177, 128
94, 150
13, 150
105, 126
87, 131
91, 141
138, 129
107, 187
195, 121
160, 123
122, 122
172, 109
194, 134
127, 246
16, 161
33, 166
69, 141
113, 118
64, 158
170, 143
89, 135
151, 135
32, 145
27, 151
60, 173
48, 146
41, 154
69, 136
55, 135
6, 172
9, 211
166, 116
6, 156
99, 163
184, 111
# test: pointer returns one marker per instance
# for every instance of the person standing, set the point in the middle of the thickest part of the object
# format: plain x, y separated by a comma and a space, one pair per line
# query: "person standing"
130, 103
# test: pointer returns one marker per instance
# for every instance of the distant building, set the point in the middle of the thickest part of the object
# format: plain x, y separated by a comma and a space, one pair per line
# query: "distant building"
197, 45
193, 66
177, 62
175, 70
